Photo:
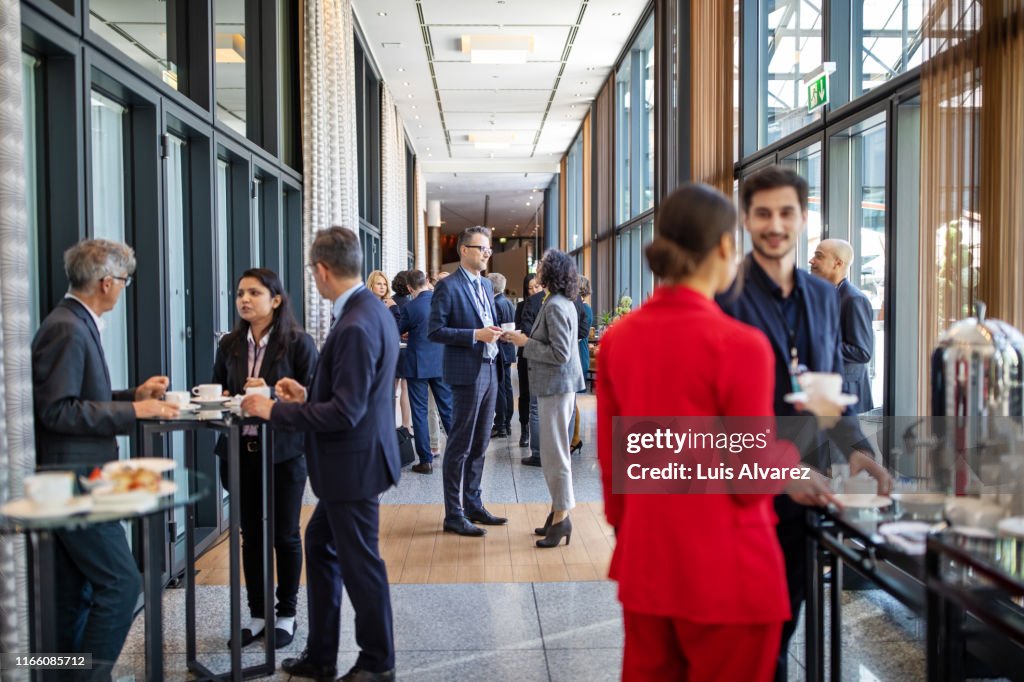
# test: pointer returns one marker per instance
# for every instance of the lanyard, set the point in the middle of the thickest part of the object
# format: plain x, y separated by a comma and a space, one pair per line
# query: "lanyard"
796, 368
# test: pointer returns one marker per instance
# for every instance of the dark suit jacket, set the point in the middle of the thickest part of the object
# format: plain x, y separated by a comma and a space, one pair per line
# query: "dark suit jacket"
349, 413
528, 314
402, 370
77, 415
858, 340
231, 369
506, 313
755, 306
424, 358
454, 320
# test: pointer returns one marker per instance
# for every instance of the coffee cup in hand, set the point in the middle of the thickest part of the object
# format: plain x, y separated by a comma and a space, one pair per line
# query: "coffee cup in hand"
50, 489
508, 326
179, 398
822, 385
207, 392
258, 390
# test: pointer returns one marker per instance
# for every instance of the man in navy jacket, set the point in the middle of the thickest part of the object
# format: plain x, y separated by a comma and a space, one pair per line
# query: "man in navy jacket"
831, 262
506, 358
352, 453
463, 318
423, 368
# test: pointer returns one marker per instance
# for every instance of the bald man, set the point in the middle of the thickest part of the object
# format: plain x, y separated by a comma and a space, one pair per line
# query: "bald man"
831, 262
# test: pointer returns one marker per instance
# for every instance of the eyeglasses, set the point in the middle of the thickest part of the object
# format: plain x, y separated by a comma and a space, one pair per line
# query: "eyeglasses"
126, 279
485, 250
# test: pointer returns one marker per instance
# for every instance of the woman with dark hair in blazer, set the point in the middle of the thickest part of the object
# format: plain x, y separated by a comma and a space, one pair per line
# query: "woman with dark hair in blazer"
555, 375
267, 344
701, 576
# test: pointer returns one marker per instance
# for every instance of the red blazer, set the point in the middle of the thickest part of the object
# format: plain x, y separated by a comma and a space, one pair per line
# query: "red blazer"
704, 558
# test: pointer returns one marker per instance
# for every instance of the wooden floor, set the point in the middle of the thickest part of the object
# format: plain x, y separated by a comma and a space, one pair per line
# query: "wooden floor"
417, 551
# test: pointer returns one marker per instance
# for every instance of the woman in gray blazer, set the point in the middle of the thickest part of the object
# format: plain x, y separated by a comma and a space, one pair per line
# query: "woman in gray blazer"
555, 376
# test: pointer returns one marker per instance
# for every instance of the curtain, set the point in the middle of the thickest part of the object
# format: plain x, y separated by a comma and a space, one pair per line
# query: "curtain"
17, 450
711, 93
394, 229
329, 152
972, 165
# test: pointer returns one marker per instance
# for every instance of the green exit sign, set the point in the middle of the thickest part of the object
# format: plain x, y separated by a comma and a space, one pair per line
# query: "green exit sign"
817, 92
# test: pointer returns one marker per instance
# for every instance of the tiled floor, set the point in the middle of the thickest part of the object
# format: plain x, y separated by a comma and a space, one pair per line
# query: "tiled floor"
497, 608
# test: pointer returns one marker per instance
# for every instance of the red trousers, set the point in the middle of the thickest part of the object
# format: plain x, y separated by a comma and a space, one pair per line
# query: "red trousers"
659, 648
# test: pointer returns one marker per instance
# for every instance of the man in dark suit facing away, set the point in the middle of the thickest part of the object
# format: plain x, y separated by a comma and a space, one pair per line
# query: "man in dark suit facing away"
526, 312
423, 364
77, 417
506, 358
352, 453
463, 318
831, 262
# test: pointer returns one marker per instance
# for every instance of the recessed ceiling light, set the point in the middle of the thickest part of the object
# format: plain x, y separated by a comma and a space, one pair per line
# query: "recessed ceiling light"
420, 125
572, 106
406, 83
409, 96
413, 106
517, 226
417, 117
616, 14
578, 94
527, 203
583, 82
384, 14
428, 149
401, 70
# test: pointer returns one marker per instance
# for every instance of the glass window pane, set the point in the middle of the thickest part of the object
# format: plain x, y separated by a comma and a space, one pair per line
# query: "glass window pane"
890, 40
648, 285
224, 284
807, 162
857, 214
622, 139
108, 222
29, 111
145, 31
256, 228
790, 49
645, 44
229, 62
177, 322
636, 264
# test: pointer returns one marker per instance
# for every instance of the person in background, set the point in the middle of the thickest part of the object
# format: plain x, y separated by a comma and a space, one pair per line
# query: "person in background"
377, 283
700, 576
586, 322
526, 312
506, 358
831, 262
424, 368
348, 414
555, 375
267, 344
799, 314
77, 417
398, 285
462, 317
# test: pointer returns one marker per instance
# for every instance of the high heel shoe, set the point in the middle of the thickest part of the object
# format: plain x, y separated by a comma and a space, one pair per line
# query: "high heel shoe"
576, 448
547, 524
557, 531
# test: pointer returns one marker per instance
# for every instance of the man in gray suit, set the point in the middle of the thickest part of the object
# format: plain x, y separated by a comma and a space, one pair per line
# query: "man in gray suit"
77, 417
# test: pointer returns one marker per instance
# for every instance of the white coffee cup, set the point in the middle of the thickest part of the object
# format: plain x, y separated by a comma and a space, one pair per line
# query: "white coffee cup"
179, 398
861, 484
508, 326
821, 384
207, 391
50, 489
258, 390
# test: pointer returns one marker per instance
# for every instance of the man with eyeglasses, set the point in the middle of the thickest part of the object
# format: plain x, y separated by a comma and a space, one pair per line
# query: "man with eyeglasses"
464, 319
77, 417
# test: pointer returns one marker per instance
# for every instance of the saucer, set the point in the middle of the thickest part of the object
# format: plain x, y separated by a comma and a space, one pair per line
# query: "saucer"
155, 464
24, 508
863, 500
216, 403
844, 399
106, 498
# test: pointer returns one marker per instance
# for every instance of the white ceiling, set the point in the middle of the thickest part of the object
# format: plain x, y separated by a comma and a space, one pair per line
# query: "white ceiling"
443, 98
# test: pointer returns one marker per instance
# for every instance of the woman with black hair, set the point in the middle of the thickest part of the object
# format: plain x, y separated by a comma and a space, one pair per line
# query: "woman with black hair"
267, 344
555, 375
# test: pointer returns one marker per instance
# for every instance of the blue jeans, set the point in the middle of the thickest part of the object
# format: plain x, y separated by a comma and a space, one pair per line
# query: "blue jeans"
418, 401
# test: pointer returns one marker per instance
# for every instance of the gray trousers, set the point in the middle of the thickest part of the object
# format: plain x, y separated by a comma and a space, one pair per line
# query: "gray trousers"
555, 421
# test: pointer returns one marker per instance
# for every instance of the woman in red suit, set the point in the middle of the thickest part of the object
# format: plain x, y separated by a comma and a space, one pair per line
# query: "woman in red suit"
701, 576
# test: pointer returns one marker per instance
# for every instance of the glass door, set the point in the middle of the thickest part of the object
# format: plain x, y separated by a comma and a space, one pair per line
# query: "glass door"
857, 214
807, 163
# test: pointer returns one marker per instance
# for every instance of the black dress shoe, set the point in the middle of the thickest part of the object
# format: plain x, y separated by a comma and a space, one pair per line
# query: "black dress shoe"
423, 468
576, 448
499, 433
487, 518
303, 667
283, 638
524, 438
531, 461
357, 675
248, 637
463, 527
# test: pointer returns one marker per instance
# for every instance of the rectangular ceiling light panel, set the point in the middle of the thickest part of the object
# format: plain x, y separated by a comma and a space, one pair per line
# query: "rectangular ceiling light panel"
497, 49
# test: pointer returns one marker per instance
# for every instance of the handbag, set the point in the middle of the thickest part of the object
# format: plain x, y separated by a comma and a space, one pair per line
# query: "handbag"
406, 448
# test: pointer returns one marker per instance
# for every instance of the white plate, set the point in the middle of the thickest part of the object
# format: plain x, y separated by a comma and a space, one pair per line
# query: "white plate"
155, 464
912, 530
27, 509
842, 399
105, 497
209, 404
863, 501
1012, 527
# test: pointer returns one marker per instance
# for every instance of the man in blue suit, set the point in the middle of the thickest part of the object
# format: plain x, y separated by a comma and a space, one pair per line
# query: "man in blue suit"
799, 314
423, 368
506, 358
831, 262
463, 318
352, 454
